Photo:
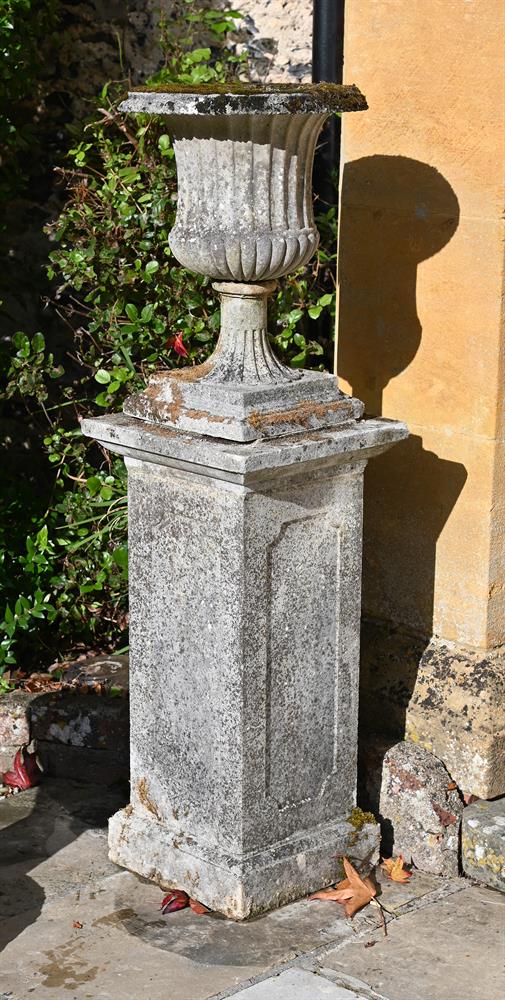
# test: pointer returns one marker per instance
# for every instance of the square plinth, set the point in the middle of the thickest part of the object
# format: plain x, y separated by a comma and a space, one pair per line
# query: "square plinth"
242, 412
245, 564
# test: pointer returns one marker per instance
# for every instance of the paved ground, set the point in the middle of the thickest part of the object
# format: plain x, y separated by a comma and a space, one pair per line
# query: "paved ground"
446, 940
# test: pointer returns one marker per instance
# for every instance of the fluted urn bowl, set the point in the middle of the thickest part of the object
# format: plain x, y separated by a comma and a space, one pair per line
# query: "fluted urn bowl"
244, 157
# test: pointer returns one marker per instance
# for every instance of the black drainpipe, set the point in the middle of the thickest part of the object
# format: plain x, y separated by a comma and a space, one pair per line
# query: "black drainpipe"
327, 67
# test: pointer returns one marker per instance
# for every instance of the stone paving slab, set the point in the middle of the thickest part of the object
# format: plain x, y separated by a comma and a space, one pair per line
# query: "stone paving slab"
56, 875
451, 950
52, 840
298, 984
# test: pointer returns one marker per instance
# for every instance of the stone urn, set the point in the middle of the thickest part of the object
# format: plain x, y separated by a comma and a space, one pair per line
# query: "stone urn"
244, 218
244, 541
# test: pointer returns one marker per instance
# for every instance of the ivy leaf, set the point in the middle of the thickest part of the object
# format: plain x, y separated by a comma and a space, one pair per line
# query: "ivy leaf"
93, 484
299, 359
120, 556
132, 311
147, 313
38, 343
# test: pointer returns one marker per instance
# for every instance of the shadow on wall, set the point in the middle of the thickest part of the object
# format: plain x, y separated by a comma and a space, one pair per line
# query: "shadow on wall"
397, 212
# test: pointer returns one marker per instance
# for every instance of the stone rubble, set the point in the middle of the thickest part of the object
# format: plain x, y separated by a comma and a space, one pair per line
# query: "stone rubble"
420, 810
483, 843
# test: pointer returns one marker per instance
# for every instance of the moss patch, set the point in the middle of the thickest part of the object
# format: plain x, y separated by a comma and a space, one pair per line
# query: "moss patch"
358, 818
330, 96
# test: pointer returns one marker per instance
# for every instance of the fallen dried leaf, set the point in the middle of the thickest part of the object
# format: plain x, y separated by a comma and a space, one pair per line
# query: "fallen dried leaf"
174, 900
395, 869
353, 892
177, 899
25, 771
198, 908
77, 924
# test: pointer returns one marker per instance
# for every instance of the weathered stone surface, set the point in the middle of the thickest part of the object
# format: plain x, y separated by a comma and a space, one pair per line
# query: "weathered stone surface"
242, 463
412, 344
14, 725
305, 985
420, 809
279, 38
452, 948
243, 392
244, 216
244, 606
79, 720
78, 735
53, 841
111, 671
244, 173
483, 843
55, 874
448, 698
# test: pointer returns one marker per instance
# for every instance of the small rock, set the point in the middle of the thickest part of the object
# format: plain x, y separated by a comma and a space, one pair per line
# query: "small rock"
108, 670
483, 842
420, 809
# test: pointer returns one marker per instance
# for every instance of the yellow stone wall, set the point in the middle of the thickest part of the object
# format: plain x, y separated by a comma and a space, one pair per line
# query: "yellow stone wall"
420, 291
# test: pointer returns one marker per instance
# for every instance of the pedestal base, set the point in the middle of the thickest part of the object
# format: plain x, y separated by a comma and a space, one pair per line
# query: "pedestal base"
240, 886
241, 412
245, 568
243, 392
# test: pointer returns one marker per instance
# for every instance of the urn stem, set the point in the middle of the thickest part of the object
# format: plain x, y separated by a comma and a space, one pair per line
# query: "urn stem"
243, 353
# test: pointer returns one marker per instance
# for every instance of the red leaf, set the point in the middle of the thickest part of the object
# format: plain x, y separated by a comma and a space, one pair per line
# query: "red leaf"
178, 344
25, 771
174, 900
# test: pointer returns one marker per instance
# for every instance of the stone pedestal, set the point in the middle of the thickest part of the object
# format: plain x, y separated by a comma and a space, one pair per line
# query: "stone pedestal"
245, 566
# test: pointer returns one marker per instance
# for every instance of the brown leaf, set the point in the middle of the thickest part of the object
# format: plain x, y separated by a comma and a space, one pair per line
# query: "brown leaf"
334, 892
395, 869
198, 908
363, 889
77, 924
353, 892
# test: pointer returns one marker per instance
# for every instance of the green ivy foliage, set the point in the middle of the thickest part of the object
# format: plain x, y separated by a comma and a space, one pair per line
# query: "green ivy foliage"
129, 310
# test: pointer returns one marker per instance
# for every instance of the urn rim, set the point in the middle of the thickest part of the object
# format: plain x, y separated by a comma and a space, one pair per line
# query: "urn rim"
245, 99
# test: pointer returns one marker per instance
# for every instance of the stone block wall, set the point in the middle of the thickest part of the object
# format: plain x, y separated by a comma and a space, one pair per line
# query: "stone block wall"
280, 38
421, 339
